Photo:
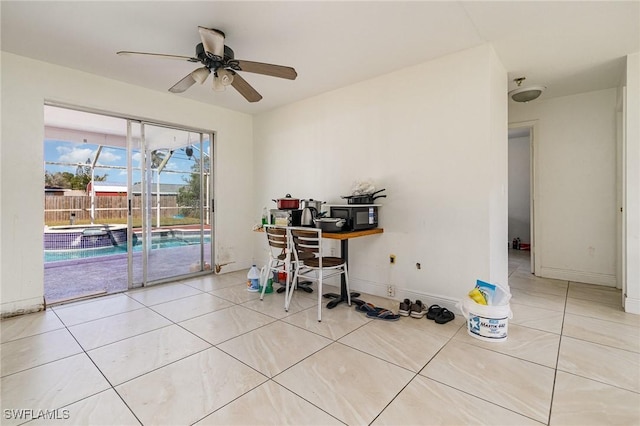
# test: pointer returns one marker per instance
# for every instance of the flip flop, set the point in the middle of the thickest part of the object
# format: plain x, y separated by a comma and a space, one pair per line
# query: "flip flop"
433, 311
384, 315
444, 316
369, 307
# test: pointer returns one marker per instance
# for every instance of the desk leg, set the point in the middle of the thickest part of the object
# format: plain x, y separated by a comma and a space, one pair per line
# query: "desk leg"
342, 297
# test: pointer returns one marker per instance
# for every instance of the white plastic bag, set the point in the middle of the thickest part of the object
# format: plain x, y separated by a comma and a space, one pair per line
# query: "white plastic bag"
361, 187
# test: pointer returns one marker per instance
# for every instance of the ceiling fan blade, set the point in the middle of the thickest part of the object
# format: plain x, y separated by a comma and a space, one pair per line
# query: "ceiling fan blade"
158, 55
212, 40
183, 84
245, 89
268, 69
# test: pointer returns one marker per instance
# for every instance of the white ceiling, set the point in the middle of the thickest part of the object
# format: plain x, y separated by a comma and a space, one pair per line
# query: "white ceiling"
570, 47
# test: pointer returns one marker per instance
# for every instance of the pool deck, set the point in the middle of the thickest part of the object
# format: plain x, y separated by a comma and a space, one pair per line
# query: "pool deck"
67, 280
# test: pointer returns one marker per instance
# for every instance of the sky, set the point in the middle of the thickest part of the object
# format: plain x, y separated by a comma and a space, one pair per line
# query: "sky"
70, 152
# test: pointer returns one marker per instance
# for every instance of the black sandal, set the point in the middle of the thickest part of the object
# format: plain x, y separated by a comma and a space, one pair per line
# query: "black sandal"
444, 316
433, 311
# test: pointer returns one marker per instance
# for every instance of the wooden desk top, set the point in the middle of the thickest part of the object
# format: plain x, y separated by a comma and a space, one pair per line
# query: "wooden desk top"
344, 235
351, 234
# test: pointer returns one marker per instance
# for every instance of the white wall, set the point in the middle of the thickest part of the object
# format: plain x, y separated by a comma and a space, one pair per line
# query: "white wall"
435, 136
632, 189
519, 189
26, 84
575, 210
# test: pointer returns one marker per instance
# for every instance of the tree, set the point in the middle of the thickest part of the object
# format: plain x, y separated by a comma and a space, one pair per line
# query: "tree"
189, 195
68, 180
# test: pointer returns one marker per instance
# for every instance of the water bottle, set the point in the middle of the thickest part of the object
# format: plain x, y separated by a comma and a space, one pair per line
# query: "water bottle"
265, 216
253, 279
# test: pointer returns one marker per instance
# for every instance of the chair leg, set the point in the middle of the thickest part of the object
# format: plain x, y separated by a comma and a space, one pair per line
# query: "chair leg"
319, 295
290, 287
346, 281
287, 289
264, 287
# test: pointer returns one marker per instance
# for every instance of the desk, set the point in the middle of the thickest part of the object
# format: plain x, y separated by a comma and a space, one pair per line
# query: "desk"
344, 238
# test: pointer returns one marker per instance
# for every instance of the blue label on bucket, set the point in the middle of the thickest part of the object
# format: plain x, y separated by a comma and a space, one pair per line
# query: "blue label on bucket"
474, 325
489, 328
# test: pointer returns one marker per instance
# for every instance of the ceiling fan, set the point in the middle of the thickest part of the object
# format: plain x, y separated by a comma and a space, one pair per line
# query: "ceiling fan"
219, 59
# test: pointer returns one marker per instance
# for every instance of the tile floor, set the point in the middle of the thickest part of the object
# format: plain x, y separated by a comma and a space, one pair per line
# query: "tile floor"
206, 351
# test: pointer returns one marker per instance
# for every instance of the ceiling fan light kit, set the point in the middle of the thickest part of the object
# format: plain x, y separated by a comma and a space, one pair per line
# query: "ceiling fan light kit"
201, 74
527, 93
219, 59
222, 79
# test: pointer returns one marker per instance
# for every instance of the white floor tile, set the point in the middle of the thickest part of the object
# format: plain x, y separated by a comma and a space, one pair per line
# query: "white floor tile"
191, 307
271, 404
406, 342
608, 312
50, 386
512, 383
132, 357
28, 325
189, 390
537, 318
579, 401
160, 293
353, 386
335, 322
275, 347
226, 324
103, 409
96, 308
606, 333
427, 402
28, 352
616, 367
111, 329
524, 343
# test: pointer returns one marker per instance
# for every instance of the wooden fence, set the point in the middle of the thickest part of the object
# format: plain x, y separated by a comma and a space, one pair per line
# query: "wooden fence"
58, 209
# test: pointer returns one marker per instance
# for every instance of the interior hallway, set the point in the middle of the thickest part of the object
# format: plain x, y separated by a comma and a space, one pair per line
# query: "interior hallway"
207, 351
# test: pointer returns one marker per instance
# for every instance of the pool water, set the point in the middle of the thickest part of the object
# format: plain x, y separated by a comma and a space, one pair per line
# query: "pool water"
156, 243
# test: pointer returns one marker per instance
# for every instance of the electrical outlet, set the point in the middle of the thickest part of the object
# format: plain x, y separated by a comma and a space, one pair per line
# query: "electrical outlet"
391, 290
392, 258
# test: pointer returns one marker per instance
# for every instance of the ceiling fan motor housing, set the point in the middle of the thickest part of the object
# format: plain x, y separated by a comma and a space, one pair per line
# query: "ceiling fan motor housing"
214, 62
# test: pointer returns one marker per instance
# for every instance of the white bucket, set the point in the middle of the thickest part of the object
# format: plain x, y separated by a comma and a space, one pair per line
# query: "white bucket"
488, 323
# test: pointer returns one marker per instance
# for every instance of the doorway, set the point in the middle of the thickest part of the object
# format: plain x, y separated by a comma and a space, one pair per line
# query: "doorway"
127, 203
521, 235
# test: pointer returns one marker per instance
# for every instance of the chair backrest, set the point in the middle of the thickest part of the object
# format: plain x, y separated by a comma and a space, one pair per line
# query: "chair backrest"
307, 241
277, 237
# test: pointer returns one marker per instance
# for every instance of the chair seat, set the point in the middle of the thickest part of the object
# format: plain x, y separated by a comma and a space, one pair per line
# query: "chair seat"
301, 256
327, 262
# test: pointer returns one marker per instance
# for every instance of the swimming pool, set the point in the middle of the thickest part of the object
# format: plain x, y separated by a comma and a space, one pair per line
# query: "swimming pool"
160, 240
78, 237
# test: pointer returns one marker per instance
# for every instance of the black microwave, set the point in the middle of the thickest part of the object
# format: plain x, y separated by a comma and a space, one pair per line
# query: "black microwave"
358, 217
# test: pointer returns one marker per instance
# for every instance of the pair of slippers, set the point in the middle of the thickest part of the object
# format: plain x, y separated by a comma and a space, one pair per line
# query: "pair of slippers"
439, 314
375, 312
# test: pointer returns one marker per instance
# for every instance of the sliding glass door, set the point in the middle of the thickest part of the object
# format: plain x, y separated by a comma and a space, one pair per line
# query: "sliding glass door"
127, 203
169, 213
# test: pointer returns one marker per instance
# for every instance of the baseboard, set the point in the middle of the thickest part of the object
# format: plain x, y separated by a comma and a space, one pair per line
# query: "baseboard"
380, 290
608, 280
631, 306
12, 309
